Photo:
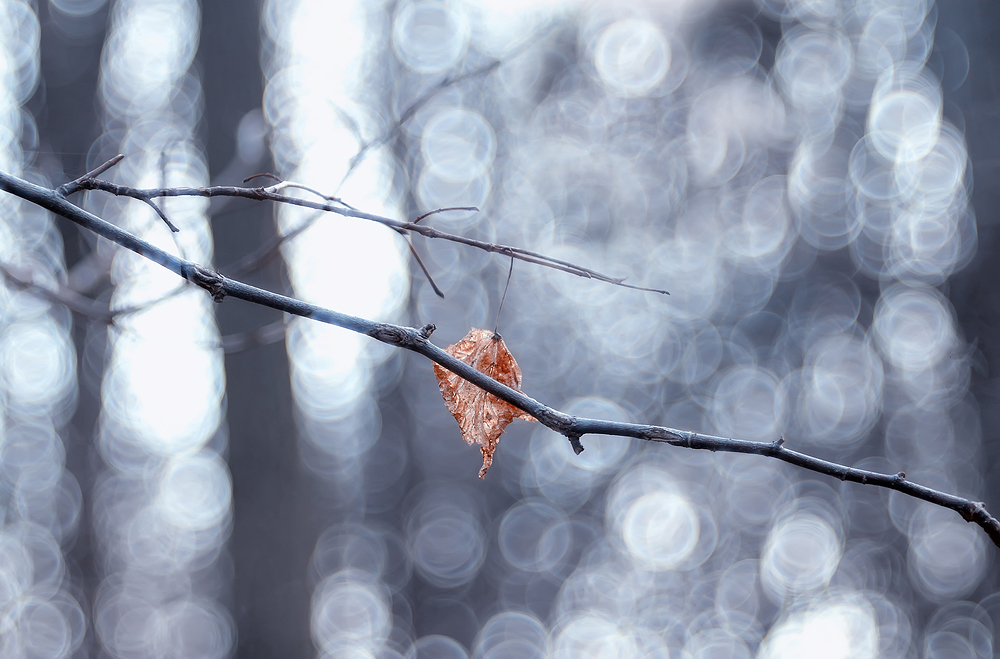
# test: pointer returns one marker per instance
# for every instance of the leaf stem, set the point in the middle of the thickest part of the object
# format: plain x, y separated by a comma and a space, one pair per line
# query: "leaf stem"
503, 297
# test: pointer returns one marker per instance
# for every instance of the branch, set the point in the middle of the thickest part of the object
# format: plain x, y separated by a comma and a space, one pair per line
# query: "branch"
272, 193
25, 280
66, 189
83, 182
411, 111
268, 252
416, 340
527, 41
92, 309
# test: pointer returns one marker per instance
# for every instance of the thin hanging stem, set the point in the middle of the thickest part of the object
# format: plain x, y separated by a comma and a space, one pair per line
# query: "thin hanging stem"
503, 297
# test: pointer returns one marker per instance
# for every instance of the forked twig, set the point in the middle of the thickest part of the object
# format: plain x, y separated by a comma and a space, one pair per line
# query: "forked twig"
272, 193
66, 189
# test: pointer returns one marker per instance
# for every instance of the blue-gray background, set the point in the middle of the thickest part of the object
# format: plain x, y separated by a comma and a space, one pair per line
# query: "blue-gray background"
813, 182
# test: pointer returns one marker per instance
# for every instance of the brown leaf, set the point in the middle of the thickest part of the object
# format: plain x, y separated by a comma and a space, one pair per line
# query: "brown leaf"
481, 416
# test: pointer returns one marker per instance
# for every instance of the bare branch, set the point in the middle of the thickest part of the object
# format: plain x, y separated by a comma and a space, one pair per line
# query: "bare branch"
416, 340
267, 251
163, 217
271, 194
283, 184
410, 111
269, 175
72, 300
527, 41
282, 239
427, 273
83, 183
66, 189
444, 210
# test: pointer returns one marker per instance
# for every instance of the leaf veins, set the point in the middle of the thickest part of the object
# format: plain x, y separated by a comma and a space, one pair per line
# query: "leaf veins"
481, 415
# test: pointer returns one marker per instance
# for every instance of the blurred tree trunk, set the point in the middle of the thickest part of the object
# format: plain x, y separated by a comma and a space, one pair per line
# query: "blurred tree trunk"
66, 112
271, 542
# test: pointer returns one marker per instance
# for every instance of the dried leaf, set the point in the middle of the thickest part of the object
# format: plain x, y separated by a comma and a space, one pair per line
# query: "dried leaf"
481, 416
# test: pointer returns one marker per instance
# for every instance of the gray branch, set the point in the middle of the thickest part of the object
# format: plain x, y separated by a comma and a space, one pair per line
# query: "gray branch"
272, 193
417, 340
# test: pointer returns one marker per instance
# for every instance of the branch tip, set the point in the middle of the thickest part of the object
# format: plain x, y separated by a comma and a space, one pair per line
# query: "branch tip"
445, 210
75, 185
574, 441
262, 175
105, 166
423, 267
162, 215
426, 331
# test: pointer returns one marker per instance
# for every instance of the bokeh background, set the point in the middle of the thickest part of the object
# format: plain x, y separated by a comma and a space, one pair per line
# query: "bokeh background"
812, 180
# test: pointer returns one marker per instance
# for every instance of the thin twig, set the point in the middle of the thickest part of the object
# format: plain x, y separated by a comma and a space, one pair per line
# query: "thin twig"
282, 184
408, 114
444, 210
66, 189
163, 183
269, 194
85, 181
162, 215
420, 262
268, 250
527, 41
413, 250
94, 310
272, 249
269, 175
79, 304
496, 325
416, 340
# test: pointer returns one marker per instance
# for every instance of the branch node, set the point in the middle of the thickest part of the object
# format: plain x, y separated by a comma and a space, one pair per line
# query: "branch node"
901, 476
66, 189
213, 282
397, 336
969, 512
426, 331
778, 443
